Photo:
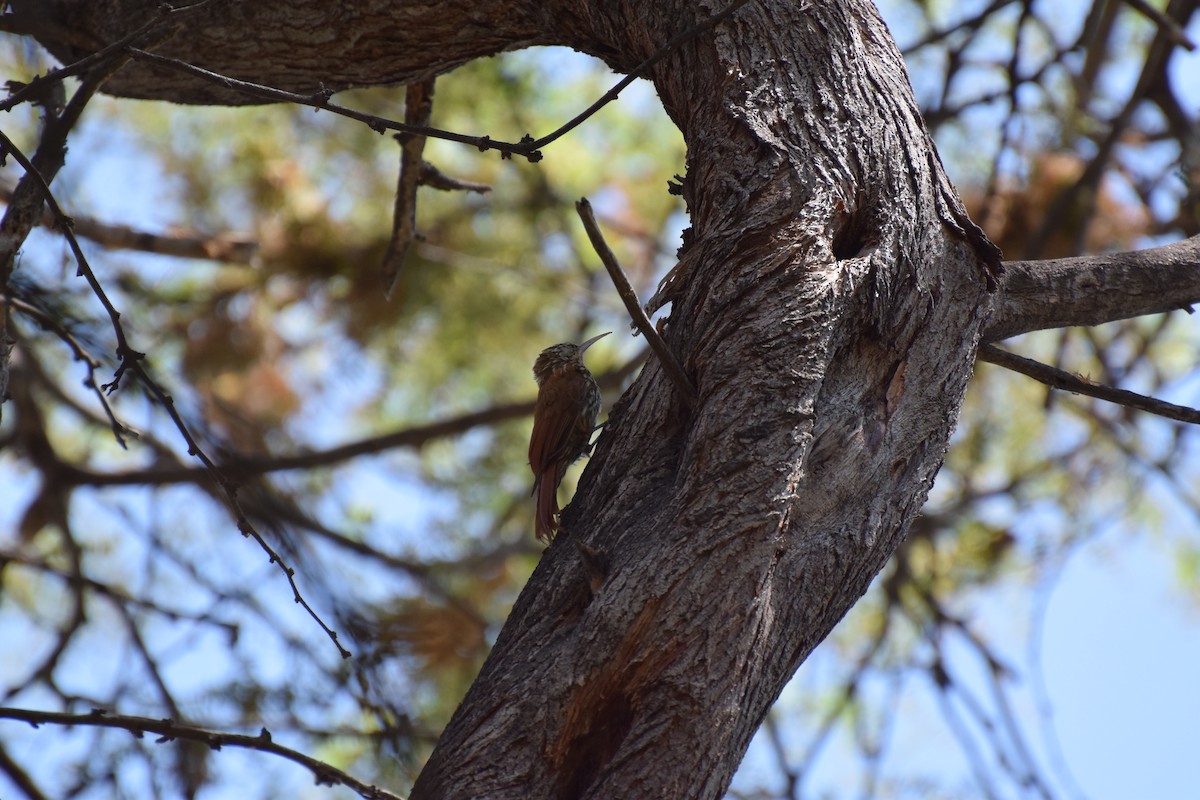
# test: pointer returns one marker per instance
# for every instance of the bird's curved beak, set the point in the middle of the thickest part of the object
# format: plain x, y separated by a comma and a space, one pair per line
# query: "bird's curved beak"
592, 341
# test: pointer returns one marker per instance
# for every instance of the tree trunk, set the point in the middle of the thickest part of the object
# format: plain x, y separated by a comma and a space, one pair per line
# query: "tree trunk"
827, 304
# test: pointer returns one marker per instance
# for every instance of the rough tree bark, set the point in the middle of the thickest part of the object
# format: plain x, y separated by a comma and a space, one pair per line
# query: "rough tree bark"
827, 303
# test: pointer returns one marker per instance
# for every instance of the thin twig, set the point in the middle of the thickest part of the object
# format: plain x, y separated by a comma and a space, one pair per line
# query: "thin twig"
676, 41
37, 86
47, 322
132, 361
19, 777
248, 466
434, 178
244, 467
168, 730
527, 147
971, 23
25, 205
1061, 379
1084, 190
44, 670
418, 107
638, 314
320, 100
118, 597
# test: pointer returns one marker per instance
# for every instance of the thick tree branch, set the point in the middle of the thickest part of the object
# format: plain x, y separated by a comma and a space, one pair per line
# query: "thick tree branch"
826, 303
39, 85
1090, 290
313, 46
417, 126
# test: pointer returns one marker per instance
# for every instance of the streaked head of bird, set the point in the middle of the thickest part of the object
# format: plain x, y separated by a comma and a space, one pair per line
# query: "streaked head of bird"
558, 356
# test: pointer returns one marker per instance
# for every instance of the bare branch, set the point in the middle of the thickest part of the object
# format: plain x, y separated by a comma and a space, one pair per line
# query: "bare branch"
1085, 189
970, 24
37, 444
638, 314
19, 777
168, 730
641, 69
320, 100
260, 465
418, 106
434, 178
25, 207
247, 466
1061, 379
1090, 290
230, 247
132, 360
528, 147
118, 597
49, 323
1170, 28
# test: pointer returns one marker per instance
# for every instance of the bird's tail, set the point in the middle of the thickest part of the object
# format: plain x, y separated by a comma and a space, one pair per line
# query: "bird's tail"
546, 489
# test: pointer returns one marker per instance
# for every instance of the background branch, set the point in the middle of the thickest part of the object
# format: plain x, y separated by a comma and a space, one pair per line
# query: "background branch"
229, 247
168, 730
246, 466
133, 360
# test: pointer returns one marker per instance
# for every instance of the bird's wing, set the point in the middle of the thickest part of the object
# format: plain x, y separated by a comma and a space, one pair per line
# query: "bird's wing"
554, 417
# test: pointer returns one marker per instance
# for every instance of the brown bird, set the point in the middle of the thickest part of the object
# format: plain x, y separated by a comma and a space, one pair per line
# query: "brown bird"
563, 420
